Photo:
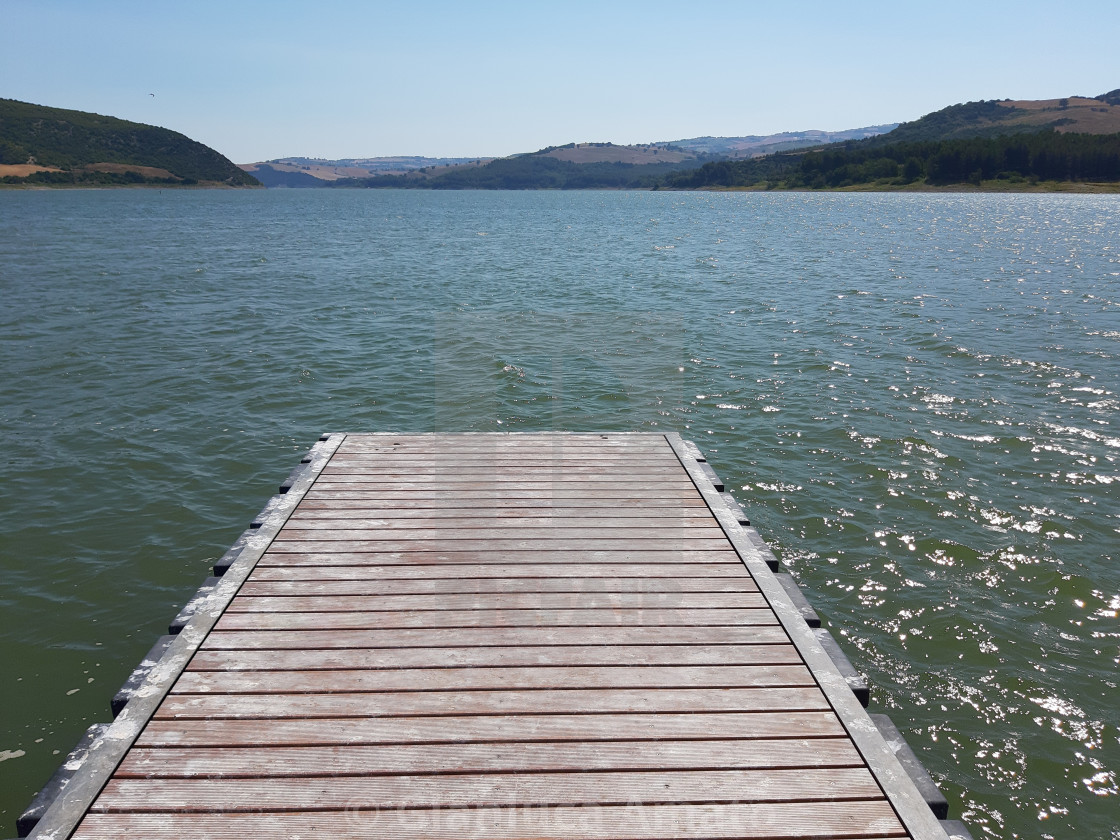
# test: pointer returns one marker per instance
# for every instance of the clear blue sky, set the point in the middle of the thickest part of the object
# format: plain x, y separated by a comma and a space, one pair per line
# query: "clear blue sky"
259, 80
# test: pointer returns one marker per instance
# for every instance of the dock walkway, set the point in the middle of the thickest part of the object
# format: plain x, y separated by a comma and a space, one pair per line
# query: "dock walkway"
495, 636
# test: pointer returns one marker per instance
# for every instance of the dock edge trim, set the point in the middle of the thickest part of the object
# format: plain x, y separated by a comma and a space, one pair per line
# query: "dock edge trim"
888, 771
62, 818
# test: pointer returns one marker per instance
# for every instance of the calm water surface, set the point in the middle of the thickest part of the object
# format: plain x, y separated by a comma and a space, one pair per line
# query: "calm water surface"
916, 397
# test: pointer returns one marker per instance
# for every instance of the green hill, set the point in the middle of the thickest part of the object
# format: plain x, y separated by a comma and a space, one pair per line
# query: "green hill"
995, 145
55, 146
596, 166
994, 118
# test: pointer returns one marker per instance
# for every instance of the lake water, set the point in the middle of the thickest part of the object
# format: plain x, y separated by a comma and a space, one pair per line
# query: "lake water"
916, 397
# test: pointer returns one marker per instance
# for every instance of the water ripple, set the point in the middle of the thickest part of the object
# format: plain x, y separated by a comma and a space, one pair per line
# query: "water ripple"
915, 396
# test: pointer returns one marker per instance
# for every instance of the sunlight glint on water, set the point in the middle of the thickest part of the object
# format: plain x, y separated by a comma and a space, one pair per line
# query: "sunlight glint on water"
916, 398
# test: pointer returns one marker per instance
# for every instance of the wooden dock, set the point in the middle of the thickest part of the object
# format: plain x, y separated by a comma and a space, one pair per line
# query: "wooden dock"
495, 636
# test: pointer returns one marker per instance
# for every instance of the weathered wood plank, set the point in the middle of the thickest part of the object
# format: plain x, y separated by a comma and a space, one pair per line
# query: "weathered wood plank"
546, 444
492, 637
662, 536
583, 600
446, 475
451, 657
477, 465
341, 541
483, 728
380, 587
591, 503
513, 457
543, 442
417, 759
621, 454
554, 701
637, 526
503, 497
503, 491
303, 567
851, 820
558, 443
591, 619
427, 508
834, 784
628, 452
468, 453
294, 553
511, 482
636, 516
494, 678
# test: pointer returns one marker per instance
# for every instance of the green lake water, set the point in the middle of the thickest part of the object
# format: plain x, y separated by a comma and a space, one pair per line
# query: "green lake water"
915, 397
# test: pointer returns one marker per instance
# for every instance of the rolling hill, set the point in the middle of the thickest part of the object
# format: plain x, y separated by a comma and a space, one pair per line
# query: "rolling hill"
993, 118
756, 145
1069, 143
59, 147
315, 172
571, 166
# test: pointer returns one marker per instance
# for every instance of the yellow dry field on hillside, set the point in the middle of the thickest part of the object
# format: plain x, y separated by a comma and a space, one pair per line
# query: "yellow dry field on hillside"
22, 170
1088, 116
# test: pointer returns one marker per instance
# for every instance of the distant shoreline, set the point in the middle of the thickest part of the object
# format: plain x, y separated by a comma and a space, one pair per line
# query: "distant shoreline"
996, 187
129, 187
984, 187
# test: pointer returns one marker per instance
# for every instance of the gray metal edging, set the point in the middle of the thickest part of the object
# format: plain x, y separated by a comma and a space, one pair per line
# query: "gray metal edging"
62, 818
914, 767
900, 790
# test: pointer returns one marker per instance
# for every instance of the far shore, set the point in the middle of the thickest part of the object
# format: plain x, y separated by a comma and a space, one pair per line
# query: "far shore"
213, 185
983, 187
1067, 187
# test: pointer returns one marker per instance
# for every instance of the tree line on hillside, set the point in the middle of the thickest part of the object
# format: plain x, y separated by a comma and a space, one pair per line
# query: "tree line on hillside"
84, 178
1043, 156
956, 122
71, 140
527, 172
